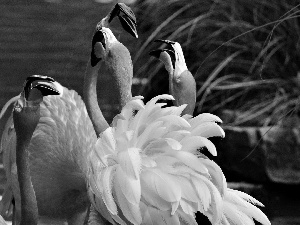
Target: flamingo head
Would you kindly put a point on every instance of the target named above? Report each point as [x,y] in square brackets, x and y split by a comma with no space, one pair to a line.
[101,44]
[182,84]
[26,110]
[172,57]
[36,87]
[126,17]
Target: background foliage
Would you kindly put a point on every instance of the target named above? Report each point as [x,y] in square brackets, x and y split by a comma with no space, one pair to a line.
[243,54]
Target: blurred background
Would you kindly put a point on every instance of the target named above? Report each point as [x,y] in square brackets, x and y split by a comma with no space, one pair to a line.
[244,55]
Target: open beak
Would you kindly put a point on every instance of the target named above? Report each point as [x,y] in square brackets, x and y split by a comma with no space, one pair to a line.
[47,88]
[158,52]
[126,17]
[170,51]
[32,78]
[43,83]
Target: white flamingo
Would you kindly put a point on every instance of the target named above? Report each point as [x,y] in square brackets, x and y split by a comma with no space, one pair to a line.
[26,114]
[147,169]
[65,134]
[182,84]
[236,207]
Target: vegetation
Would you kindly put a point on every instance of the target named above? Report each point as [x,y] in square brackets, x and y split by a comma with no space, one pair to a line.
[245,55]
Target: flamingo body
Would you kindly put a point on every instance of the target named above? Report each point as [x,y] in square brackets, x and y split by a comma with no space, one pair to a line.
[64,136]
[57,150]
[224,206]
[148,168]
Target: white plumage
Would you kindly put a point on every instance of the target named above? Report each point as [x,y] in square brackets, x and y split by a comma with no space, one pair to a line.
[148,168]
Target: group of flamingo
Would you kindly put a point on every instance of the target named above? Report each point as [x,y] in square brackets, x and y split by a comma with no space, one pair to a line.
[65,164]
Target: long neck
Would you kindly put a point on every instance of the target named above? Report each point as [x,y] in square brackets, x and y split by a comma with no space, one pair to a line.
[183,88]
[120,67]
[90,98]
[25,125]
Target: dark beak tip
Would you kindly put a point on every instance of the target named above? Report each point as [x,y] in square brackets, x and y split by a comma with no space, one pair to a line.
[50,92]
[156,53]
[47,89]
[126,17]
[122,7]
[128,25]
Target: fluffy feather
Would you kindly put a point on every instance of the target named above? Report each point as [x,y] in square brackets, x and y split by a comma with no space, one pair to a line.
[239,206]
[58,145]
[161,177]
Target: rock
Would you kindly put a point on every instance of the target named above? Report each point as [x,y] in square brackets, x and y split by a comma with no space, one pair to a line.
[286,221]
[261,154]
[240,155]
[281,146]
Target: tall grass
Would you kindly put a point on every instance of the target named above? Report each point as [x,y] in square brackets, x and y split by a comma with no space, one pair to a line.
[245,55]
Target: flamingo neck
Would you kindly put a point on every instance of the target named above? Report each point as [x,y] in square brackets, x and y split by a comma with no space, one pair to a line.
[119,65]
[171,87]
[25,123]
[183,88]
[90,98]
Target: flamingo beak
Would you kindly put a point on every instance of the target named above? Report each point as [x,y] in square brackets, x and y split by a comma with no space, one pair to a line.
[32,78]
[46,88]
[156,53]
[126,17]
[159,54]
[169,50]
[45,84]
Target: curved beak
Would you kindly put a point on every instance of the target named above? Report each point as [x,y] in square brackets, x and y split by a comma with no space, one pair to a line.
[156,53]
[32,78]
[159,52]
[43,83]
[176,55]
[171,51]
[46,88]
[126,17]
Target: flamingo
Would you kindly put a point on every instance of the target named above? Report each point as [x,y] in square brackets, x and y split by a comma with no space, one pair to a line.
[26,115]
[65,134]
[107,50]
[236,207]
[182,84]
[147,169]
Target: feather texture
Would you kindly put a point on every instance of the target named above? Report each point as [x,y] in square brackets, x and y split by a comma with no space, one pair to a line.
[59,144]
[160,176]
[239,206]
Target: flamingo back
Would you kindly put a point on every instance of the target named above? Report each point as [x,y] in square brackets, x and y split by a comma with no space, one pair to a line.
[57,150]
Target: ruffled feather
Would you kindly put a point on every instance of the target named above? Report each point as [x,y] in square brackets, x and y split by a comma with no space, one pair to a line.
[239,206]
[193,143]
[208,129]
[147,169]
